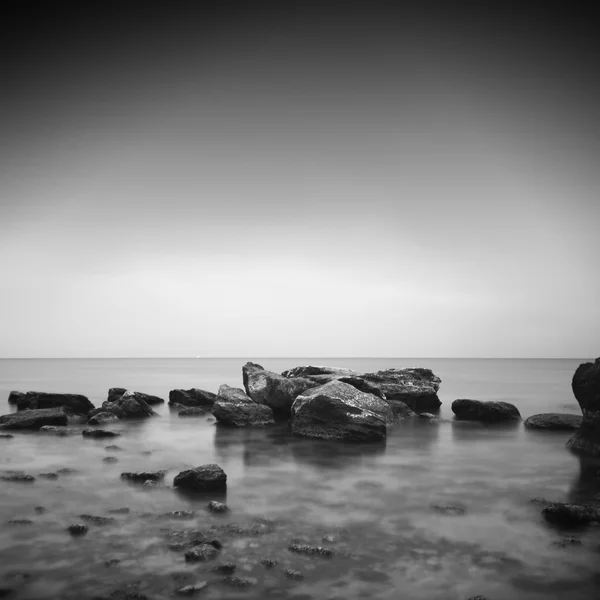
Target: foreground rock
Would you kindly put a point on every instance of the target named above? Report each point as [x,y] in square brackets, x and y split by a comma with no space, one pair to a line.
[34,419]
[339,411]
[99,433]
[274,390]
[414,387]
[206,478]
[486,412]
[75,403]
[143,476]
[115,394]
[130,405]
[234,408]
[192,398]
[14,397]
[554,421]
[586,388]
[563,514]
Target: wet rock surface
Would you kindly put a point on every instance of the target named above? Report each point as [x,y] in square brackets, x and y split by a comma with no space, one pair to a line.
[17,477]
[553,421]
[193,397]
[201,553]
[233,408]
[586,388]
[99,433]
[131,405]
[217,507]
[486,412]
[196,411]
[143,476]
[77,529]
[74,403]
[34,419]
[564,514]
[102,418]
[206,478]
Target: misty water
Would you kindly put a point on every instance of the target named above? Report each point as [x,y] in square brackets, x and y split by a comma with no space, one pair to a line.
[373,504]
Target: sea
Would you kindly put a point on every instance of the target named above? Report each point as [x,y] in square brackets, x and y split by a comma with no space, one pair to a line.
[373,505]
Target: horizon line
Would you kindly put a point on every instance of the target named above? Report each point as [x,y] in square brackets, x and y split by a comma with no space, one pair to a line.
[292,357]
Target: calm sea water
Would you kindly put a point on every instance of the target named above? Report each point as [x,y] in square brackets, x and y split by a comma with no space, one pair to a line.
[377,500]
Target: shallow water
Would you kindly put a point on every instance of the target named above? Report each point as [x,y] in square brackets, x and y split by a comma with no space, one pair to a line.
[375,500]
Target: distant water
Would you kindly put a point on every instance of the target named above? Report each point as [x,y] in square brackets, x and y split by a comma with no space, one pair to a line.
[376,499]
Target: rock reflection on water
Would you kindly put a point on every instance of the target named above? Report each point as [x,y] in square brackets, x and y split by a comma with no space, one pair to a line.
[372,505]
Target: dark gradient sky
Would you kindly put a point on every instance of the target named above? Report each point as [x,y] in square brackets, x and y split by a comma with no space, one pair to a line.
[288,179]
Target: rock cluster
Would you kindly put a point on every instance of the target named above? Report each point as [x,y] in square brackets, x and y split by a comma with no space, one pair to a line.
[586,388]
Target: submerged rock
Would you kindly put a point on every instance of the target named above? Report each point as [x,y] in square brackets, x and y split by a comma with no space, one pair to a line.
[206,478]
[274,390]
[487,412]
[192,398]
[564,514]
[269,563]
[225,569]
[338,411]
[586,388]
[233,408]
[565,542]
[48,475]
[415,387]
[75,403]
[195,411]
[110,460]
[78,529]
[201,553]
[6,436]
[217,507]
[17,477]
[555,421]
[34,419]
[178,514]
[61,431]
[97,520]
[14,397]
[293,574]
[20,522]
[102,418]
[113,448]
[99,433]
[449,509]
[238,581]
[190,590]
[143,476]
[310,550]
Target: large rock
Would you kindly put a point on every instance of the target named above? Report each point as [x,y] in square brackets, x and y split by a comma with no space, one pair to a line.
[234,408]
[38,400]
[586,388]
[206,478]
[129,405]
[487,412]
[34,419]
[414,387]
[192,397]
[115,394]
[555,421]
[338,411]
[14,397]
[571,514]
[102,418]
[274,390]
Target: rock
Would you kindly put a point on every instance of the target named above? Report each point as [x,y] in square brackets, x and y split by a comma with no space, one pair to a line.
[569,541]
[113,448]
[586,388]
[339,411]
[97,520]
[15,397]
[310,550]
[206,478]
[130,405]
[237,581]
[40,510]
[143,476]
[61,431]
[560,513]
[478,598]
[190,590]
[225,569]
[6,592]
[178,514]
[110,460]
[111,562]
[6,436]
[98,433]
[555,421]
[77,529]
[48,475]
[233,408]
[20,522]
[75,403]
[17,477]
[201,553]
[217,507]
[34,419]
[274,390]
[449,509]
[192,398]
[195,411]
[487,412]
[415,387]
[293,574]
[115,394]
[269,563]
[67,471]
[102,418]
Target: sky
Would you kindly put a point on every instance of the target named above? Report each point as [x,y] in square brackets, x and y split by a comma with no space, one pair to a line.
[298,179]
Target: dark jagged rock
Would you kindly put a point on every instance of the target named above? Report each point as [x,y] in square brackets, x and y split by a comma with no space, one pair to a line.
[238,582]
[486,412]
[6,436]
[310,550]
[110,460]
[34,419]
[566,542]
[449,509]
[178,514]
[67,471]
[293,574]
[233,408]
[14,397]
[225,568]
[20,522]
[97,520]
[77,529]
[415,387]
[274,390]
[339,411]
[249,529]
[99,433]
[102,418]
[17,477]
[193,398]
[48,475]
[269,563]
[143,476]
[131,405]
[115,393]
[217,507]
[586,388]
[564,514]
[119,511]
[201,553]
[75,403]
[194,411]
[206,478]
[554,421]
